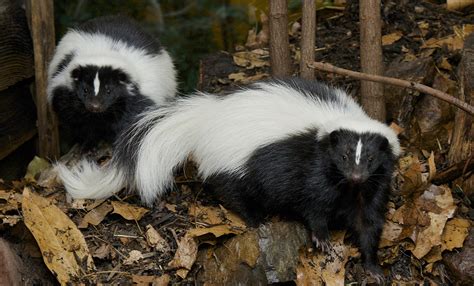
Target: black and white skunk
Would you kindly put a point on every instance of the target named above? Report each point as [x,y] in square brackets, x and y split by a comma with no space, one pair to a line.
[286,147]
[105,72]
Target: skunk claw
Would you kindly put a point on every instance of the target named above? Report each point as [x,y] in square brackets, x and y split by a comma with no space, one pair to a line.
[322,244]
[377,274]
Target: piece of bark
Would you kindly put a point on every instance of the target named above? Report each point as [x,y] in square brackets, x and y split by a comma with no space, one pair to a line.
[16,49]
[371,60]
[42,32]
[453,172]
[462,145]
[401,102]
[461,263]
[9,265]
[279,40]
[268,254]
[308,38]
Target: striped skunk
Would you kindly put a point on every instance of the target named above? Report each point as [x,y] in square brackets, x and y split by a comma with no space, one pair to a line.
[104,73]
[290,147]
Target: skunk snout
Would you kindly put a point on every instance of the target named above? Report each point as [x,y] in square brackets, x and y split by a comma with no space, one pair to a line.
[94,106]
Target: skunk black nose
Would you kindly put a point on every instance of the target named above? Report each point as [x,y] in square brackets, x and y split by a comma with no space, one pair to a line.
[94,106]
[356,177]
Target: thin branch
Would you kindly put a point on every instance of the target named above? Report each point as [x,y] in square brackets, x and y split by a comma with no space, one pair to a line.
[398,82]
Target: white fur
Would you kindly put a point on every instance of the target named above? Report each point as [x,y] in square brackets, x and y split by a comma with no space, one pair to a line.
[358,151]
[154,74]
[222,133]
[87,180]
[96,83]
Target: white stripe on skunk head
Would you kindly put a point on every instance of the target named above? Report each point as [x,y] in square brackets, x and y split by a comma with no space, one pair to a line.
[153,74]
[98,88]
[358,156]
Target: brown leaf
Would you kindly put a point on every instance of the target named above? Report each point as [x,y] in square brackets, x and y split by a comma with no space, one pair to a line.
[133,256]
[432,166]
[64,249]
[253,59]
[153,280]
[128,211]
[171,207]
[96,216]
[207,214]
[234,219]
[217,231]
[391,234]
[455,233]
[438,205]
[102,251]
[155,240]
[316,269]
[185,256]
[391,38]
[9,200]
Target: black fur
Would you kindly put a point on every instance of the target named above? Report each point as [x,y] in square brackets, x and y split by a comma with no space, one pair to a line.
[91,117]
[309,179]
[123,29]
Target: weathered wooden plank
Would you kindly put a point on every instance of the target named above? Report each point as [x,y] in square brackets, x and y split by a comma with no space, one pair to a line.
[16,49]
[42,32]
[18,117]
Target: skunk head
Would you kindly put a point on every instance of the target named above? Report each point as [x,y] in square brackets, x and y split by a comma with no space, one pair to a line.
[360,156]
[100,87]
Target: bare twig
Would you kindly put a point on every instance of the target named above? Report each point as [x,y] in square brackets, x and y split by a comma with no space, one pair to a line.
[398,82]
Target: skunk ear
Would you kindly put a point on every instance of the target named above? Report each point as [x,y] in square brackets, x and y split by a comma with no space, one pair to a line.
[334,138]
[384,144]
[76,73]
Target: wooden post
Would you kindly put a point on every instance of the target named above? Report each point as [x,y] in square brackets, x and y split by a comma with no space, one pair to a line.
[371,61]
[279,41]
[42,32]
[462,145]
[308,35]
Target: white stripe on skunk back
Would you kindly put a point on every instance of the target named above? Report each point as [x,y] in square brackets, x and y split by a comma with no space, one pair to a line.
[153,73]
[221,133]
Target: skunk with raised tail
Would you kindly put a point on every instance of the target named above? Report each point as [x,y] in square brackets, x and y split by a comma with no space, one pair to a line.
[290,147]
[104,73]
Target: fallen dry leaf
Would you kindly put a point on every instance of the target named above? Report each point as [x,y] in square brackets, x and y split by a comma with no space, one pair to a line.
[391,38]
[102,251]
[96,216]
[35,167]
[432,166]
[217,231]
[62,245]
[391,234]
[319,268]
[151,280]
[252,59]
[171,207]
[185,256]
[207,214]
[155,240]
[437,204]
[133,256]
[455,233]
[234,219]
[9,200]
[127,211]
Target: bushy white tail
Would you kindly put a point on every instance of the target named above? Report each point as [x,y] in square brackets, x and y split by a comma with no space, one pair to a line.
[87,180]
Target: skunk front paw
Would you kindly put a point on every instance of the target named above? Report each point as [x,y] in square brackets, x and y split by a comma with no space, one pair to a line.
[322,244]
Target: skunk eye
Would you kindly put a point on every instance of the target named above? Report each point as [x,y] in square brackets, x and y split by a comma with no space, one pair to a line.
[344,157]
[86,89]
[107,90]
[370,159]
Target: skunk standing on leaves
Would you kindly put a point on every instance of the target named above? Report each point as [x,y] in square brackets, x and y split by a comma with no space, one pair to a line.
[286,147]
[104,73]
